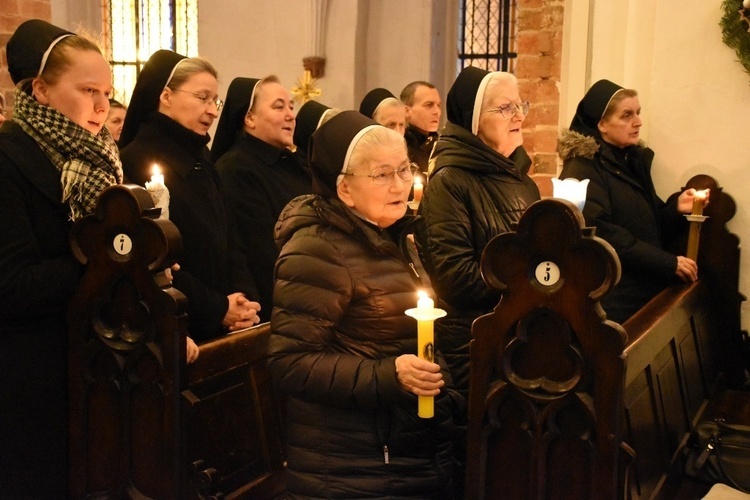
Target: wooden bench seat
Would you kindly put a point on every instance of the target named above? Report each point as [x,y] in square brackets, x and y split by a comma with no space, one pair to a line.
[562,403]
[557,407]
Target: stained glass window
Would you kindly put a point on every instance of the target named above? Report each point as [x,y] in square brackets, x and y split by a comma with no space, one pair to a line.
[135,29]
[487,34]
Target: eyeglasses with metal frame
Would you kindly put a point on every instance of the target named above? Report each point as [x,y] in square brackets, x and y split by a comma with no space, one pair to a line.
[204,99]
[383,176]
[509,110]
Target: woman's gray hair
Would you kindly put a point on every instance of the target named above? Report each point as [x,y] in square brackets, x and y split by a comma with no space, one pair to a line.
[496,79]
[377,137]
[390,102]
[188,67]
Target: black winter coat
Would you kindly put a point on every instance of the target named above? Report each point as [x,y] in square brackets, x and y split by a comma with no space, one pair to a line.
[212,263]
[473,194]
[623,205]
[420,146]
[338,324]
[38,275]
[258,181]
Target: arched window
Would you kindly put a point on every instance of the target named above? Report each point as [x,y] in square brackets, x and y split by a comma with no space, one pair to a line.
[487,34]
[135,29]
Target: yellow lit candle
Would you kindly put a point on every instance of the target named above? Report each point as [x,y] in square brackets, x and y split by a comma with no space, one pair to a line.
[426,314]
[156,176]
[418,189]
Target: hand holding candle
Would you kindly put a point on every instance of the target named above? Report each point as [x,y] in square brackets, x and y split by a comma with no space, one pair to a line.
[426,314]
[158,190]
[696,218]
[699,201]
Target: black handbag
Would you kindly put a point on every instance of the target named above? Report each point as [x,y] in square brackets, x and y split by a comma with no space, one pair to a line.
[720,453]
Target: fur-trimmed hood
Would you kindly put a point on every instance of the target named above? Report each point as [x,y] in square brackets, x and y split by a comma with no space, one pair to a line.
[572,144]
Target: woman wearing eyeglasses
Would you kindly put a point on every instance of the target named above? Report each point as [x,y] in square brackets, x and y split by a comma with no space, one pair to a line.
[479,186]
[603,145]
[342,350]
[174,103]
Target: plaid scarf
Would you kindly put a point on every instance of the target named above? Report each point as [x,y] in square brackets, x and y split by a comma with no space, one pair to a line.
[87,163]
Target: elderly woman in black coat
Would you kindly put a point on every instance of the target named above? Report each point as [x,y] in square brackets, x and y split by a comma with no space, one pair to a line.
[342,350]
[603,145]
[479,186]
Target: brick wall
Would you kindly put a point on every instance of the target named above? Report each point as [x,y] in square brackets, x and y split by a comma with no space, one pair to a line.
[13,13]
[539,47]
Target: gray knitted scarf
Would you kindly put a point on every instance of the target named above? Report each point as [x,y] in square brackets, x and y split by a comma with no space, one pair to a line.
[87,163]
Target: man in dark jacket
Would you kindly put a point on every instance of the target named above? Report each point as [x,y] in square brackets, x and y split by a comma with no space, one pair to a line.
[423,111]
[479,187]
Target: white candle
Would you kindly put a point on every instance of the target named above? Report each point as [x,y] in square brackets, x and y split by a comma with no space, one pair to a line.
[418,188]
[424,302]
[156,176]
[699,201]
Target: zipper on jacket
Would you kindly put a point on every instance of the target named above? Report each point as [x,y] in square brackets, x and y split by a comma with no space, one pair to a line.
[385,454]
[414,270]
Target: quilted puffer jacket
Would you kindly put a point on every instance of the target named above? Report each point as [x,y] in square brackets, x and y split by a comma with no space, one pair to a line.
[473,194]
[338,324]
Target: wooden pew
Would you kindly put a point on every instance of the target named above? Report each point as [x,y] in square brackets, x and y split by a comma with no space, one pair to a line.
[234,439]
[565,405]
[683,347]
[142,423]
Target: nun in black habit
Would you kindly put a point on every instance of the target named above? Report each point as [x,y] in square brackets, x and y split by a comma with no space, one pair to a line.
[309,118]
[259,173]
[478,188]
[385,108]
[603,145]
[173,105]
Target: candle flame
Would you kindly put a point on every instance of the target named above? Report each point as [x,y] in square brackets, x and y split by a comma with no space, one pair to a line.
[417,181]
[155,170]
[422,294]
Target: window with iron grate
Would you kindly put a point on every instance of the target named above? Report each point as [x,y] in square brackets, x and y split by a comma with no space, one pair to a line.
[487,34]
[135,29]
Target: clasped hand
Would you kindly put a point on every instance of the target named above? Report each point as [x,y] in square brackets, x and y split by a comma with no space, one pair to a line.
[242,312]
[419,376]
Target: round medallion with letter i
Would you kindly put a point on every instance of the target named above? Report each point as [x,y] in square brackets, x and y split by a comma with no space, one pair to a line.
[547,273]
[122,244]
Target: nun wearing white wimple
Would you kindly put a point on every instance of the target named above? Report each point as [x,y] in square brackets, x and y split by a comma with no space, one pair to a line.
[56,156]
[174,104]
